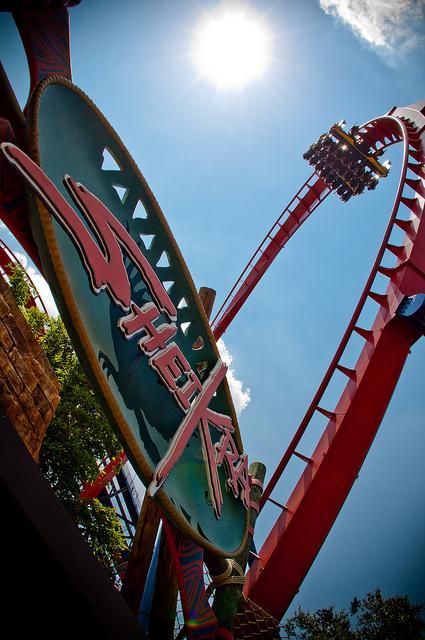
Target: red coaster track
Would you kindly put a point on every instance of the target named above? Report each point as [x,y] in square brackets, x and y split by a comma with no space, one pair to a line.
[305,201]
[314,504]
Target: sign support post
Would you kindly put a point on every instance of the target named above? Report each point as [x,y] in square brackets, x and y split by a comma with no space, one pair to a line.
[230,575]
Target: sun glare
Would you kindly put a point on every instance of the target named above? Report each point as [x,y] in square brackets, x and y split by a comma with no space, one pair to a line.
[232,47]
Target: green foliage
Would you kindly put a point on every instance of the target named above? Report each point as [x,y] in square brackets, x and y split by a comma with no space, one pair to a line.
[100,526]
[36,319]
[23,290]
[389,618]
[325,624]
[78,436]
[371,618]
[80,433]
[21,287]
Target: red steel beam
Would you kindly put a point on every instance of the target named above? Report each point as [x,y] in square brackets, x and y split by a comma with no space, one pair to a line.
[302,205]
[299,532]
[92,490]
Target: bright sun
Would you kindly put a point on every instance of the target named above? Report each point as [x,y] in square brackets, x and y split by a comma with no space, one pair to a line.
[232,47]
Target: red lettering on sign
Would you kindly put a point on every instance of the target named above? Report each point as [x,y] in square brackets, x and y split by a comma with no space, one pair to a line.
[212,476]
[171,366]
[102,255]
[199,416]
[104,264]
[236,467]
[226,450]
[241,478]
[142,319]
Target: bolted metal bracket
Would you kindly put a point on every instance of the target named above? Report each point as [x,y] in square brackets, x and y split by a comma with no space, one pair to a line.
[413,309]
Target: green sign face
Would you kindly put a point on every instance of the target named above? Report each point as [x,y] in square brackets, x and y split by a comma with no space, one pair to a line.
[135,318]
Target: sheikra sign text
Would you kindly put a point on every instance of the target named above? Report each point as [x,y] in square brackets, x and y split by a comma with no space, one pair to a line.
[104,263]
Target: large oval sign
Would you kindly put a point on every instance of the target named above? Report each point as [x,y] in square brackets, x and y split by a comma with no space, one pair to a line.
[135,318]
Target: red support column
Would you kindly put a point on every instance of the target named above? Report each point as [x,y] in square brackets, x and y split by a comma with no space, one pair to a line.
[300,531]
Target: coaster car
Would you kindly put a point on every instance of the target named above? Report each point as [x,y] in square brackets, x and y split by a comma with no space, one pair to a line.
[361,147]
[345,162]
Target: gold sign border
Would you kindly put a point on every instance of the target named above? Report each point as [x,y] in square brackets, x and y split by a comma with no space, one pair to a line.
[78,324]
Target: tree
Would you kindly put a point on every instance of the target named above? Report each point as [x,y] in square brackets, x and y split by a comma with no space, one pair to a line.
[392,618]
[21,287]
[78,436]
[324,624]
[371,618]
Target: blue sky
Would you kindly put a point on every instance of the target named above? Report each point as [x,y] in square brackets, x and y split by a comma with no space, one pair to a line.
[223,164]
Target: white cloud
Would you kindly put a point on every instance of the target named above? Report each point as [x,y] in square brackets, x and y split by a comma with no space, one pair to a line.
[40,284]
[392,26]
[22,258]
[44,291]
[241,397]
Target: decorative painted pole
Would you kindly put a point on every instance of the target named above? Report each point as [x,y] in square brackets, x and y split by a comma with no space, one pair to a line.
[164,603]
[141,554]
[207,297]
[228,576]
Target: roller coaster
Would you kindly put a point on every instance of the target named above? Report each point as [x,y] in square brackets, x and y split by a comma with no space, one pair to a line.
[348,164]
[304,523]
